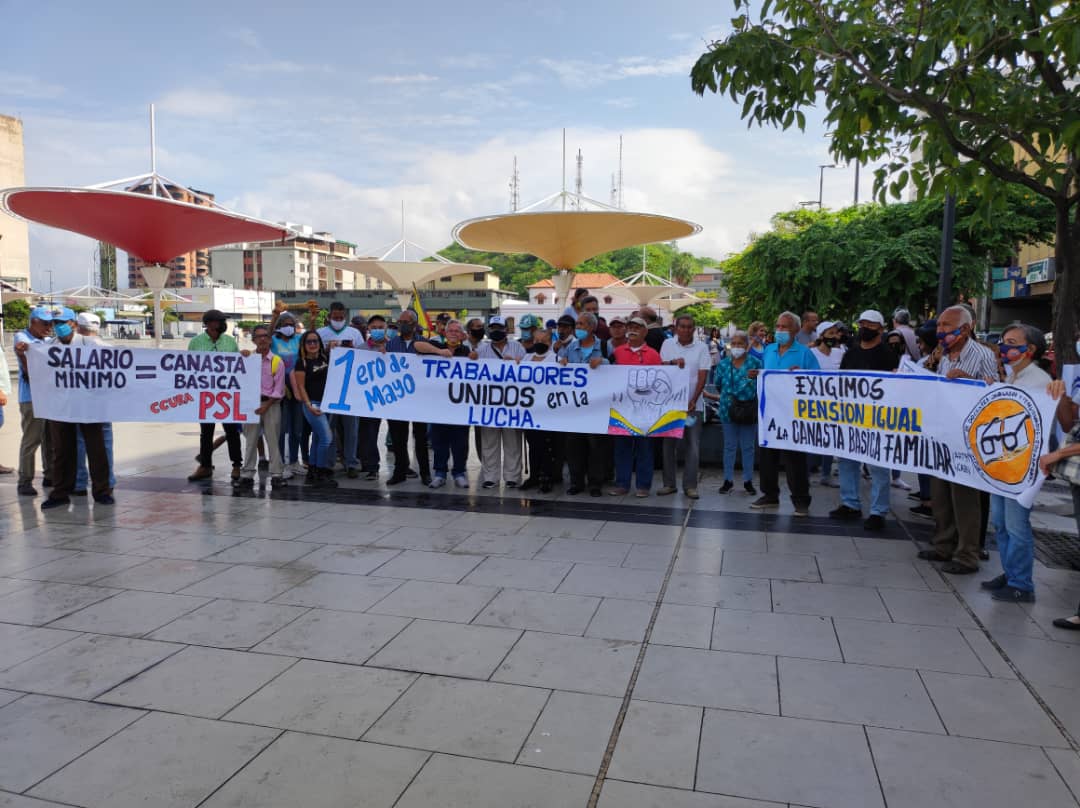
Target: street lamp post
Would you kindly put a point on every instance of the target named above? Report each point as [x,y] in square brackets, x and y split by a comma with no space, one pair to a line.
[821,182]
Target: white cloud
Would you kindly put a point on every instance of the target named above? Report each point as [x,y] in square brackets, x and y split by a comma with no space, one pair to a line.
[195,103]
[623,102]
[245,36]
[579,73]
[468,61]
[18,85]
[283,67]
[404,78]
[647,66]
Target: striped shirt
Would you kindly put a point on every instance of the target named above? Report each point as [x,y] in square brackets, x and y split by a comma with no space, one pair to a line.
[975,360]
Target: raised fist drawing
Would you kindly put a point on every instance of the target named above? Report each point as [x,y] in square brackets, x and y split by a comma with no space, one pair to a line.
[648,388]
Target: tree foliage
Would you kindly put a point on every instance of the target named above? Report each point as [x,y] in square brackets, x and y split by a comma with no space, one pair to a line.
[953,95]
[875,256]
[16,314]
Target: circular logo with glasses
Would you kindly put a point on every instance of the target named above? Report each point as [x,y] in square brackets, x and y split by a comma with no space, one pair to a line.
[1004,433]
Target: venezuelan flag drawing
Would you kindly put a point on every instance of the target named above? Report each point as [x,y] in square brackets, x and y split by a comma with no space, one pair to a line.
[421,315]
[670,424]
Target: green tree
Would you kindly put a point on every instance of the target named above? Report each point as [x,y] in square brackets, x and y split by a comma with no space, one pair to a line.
[955,95]
[875,256]
[16,315]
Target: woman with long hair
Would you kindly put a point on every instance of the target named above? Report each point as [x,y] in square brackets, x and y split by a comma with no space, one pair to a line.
[309,385]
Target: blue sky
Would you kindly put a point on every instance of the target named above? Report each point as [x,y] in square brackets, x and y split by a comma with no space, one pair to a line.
[333,116]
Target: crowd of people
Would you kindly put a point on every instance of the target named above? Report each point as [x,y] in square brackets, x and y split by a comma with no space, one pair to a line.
[298,438]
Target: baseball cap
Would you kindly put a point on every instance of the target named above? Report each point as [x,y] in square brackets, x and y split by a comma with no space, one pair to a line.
[443,318]
[872,316]
[550,324]
[529,321]
[823,327]
[64,314]
[618,318]
[638,321]
[359,321]
[496,319]
[43,313]
[87,319]
[566,319]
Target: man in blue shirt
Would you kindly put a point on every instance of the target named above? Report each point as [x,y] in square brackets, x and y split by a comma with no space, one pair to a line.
[585,453]
[34,430]
[785,353]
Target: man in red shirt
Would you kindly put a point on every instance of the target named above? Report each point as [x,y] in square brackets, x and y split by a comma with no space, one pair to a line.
[634,455]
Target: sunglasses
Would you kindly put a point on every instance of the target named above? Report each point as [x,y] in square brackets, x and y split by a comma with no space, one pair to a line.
[311,342]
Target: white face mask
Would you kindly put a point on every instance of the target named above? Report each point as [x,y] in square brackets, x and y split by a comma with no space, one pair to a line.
[737,352]
[337,325]
[287,331]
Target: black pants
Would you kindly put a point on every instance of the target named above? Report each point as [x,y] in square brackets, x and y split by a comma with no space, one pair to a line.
[795,468]
[558,455]
[585,456]
[368,444]
[399,436]
[541,454]
[232,439]
[64,452]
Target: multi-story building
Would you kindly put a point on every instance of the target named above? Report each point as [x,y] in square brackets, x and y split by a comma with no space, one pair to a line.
[14,234]
[298,262]
[190,269]
[710,282]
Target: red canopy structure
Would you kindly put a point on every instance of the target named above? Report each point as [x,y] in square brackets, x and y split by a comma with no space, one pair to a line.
[153,228]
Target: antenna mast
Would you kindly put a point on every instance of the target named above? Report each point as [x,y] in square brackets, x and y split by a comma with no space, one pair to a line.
[614,193]
[564,169]
[619,184]
[578,179]
[515,188]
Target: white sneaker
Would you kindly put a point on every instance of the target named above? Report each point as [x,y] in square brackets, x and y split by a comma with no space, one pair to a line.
[461,481]
[899,483]
[287,473]
[438,481]
[298,469]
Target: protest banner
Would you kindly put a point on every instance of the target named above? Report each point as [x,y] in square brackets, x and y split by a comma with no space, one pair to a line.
[102,383]
[610,399]
[988,437]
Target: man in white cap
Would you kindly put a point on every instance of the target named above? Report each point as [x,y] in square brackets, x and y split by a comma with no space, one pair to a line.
[829,349]
[500,447]
[87,326]
[868,353]
[34,430]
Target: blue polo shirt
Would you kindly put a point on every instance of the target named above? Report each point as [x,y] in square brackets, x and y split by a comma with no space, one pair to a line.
[577,354]
[796,356]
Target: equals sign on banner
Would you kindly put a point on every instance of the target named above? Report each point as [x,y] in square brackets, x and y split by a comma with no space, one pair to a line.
[145,371]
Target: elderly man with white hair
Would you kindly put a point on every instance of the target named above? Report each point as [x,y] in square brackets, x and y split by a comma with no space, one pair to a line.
[957,508]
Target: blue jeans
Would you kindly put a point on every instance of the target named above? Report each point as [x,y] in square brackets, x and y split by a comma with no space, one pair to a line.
[739,439]
[350,431]
[633,456]
[292,427]
[82,477]
[1016,543]
[322,439]
[447,439]
[849,487]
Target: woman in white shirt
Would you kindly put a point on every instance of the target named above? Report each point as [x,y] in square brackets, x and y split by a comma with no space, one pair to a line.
[828,350]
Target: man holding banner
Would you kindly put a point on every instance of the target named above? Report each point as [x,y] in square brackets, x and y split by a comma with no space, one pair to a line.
[215,338]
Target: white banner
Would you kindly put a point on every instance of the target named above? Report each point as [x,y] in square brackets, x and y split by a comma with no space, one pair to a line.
[988,437]
[104,383]
[610,399]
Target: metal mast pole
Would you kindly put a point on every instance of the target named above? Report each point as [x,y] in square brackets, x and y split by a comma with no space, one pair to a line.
[564,169]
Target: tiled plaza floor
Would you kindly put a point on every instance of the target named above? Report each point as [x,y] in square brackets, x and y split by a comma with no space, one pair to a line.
[188,647]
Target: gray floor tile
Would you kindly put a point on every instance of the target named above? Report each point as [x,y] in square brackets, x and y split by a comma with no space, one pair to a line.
[658,745]
[855,572]
[796,635]
[44,602]
[617,794]
[708,679]
[355,532]
[324,698]
[725,591]
[193,755]
[579,664]
[988,655]
[769,565]
[572,733]
[15,801]
[421,538]
[190,546]
[1064,705]
[130,614]
[713,539]
[811,544]
[16,558]
[334,636]
[1043,662]
[932,648]
[8,696]
[921,770]
[477,719]
[639,533]
[204,682]
[486,544]
[824,764]
[87,666]
[19,643]
[449,649]
[883,549]
[699,561]
[300,770]
[926,608]
[586,552]
[269,552]
[416,517]
[1012,618]
[829,600]
[228,624]
[679,624]
[613,582]
[328,590]
[281,527]
[427,566]
[856,694]
[457,603]
[555,527]
[451,781]
[995,710]
[80,568]
[648,557]
[39,734]
[9,585]
[248,583]
[1067,762]
[350,560]
[621,620]
[543,576]
[162,575]
[539,611]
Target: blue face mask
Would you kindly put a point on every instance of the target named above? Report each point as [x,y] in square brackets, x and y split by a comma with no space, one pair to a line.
[526,333]
[391,333]
[782,337]
[378,334]
[62,330]
[580,333]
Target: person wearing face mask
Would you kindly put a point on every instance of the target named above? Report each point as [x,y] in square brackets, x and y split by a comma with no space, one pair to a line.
[285,344]
[828,351]
[785,353]
[35,433]
[87,326]
[758,334]
[901,321]
[216,338]
[958,508]
[476,332]
[870,354]
[736,394]
[617,328]
[633,454]
[686,351]
[451,439]
[584,453]
[894,340]
[543,445]
[564,332]
[367,438]
[500,447]
[338,333]
[527,328]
